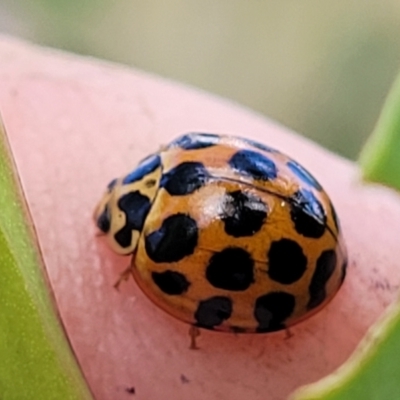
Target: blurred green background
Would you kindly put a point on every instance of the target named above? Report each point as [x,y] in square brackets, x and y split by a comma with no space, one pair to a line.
[322,68]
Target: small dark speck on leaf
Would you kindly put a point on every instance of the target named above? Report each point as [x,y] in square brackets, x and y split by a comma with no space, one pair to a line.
[184,379]
[384,285]
[130,390]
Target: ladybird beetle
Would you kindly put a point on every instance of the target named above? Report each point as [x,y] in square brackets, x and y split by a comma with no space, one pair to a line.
[226,234]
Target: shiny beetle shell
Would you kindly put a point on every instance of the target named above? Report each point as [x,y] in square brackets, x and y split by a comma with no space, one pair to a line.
[226,234]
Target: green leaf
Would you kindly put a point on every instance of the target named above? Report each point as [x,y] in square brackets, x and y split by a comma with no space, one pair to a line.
[371,373]
[380,158]
[36,361]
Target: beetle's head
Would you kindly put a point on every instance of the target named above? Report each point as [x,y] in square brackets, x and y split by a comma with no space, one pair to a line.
[121,213]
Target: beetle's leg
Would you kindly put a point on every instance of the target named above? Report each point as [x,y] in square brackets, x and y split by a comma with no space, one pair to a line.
[124,276]
[194,332]
[289,334]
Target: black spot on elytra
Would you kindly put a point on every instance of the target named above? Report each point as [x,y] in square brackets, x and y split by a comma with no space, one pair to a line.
[231,269]
[171,282]
[243,213]
[272,309]
[303,174]
[259,146]
[185,178]
[103,220]
[307,214]
[213,311]
[253,164]
[193,141]
[286,261]
[136,206]
[146,166]
[324,269]
[176,239]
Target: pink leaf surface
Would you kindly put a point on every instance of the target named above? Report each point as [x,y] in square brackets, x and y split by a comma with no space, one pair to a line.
[74,124]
